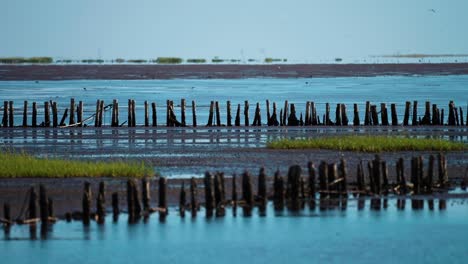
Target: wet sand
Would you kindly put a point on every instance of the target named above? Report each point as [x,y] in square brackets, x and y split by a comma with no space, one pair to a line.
[225,71]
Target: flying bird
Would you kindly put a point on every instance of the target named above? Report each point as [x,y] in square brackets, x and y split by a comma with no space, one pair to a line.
[432,10]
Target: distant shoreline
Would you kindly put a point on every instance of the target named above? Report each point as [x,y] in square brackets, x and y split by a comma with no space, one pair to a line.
[222,71]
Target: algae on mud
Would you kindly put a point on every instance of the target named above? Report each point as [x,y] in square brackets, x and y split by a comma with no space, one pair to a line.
[26,166]
[368,144]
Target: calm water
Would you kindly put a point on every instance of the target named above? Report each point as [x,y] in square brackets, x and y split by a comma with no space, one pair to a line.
[350,236]
[395,89]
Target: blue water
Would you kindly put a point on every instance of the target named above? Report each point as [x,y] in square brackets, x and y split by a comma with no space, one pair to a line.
[350,236]
[349,90]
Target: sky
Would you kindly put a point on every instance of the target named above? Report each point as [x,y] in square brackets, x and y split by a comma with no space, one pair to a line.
[305,30]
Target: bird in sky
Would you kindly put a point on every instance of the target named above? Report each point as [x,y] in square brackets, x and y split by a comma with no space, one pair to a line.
[432,10]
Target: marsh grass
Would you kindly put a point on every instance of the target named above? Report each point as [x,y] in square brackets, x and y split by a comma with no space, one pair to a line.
[168,60]
[23,165]
[196,60]
[368,144]
[20,60]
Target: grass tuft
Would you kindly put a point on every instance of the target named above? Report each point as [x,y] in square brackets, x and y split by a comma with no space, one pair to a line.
[368,144]
[23,165]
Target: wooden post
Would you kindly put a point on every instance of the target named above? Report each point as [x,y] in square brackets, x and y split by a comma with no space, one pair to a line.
[237,121]
[162,198]
[338,115]
[367,118]
[285,113]
[154,114]
[113,122]
[101,204]
[273,120]
[219,194]
[247,195]
[311,184]
[168,119]
[376,166]
[268,111]
[182,200]
[193,197]
[457,120]
[442,168]
[407,113]
[361,182]
[462,121]
[427,114]
[229,117]
[292,119]
[435,115]
[294,175]
[182,112]
[278,191]
[7,213]
[129,113]
[323,179]
[32,203]
[307,114]
[401,176]
[80,113]
[374,115]
[50,204]
[343,175]
[133,113]
[384,114]
[72,111]
[210,116]
[34,115]
[11,118]
[101,113]
[385,183]
[86,202]
[96,114]
[394,115]
[246,113]
[356,120]
[313,114]
[43,204]
[146,193]
[415,113]
[344,115]
[25,114]
[218,116]
[234,195]
[327,121]
[131,201]
[209,199]
[46,114]
[262,190]
[115,206]
[415,175]
[147,114]
[257,118]
[5,114]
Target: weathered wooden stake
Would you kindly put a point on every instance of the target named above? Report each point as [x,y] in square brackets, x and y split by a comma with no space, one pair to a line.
[415,113]
[367,117]
[129,113]
[209,199]
[182,112]
[154,115]
[146,193]
[130,201]
[427,114]
[147,114]
[294,175]
[101,204]
[268,111]
[344,115]
[86,203]
[182,200]
[229,117]
[292,119]
[278,191]
[311,184]
[11,118]
[72,111]
[193,197]
[162,198]
[247,194]
[34,115]
[80,113]
[327,120]
[384,114]
[101,113]
[374,115]
[219,194]
[234,195]
[394,115]
[338,115]
[115,206]
[285,113]
[262,190]
[62,121]
[43,204]
[5,114]
[218,115]
[246,113]
[307,114]
[442,167]
[237,121]
[210,116]
[25,114]
[407,113]
[96,114]
[430,174]
[356,121]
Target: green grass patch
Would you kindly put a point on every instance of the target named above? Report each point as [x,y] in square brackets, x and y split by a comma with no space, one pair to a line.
[19,60]
[168,60]
[368,144]
[137,61]
[23,165]
[271,60]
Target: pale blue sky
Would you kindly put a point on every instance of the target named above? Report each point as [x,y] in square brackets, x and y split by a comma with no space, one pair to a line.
[308,30]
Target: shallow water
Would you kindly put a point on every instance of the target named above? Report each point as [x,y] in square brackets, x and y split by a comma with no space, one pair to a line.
[383,89]
[350,236]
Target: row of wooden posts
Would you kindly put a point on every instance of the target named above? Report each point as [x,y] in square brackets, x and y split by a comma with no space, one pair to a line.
[329,181]
[287,115]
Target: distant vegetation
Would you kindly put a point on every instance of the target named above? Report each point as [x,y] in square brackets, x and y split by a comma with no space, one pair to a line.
[137,61]
[217,60]
[119,60]
[64,61]
[92,61]
[368,144]
[196,60]
[271,60]
[168,60]
[20,60]
[24,165]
